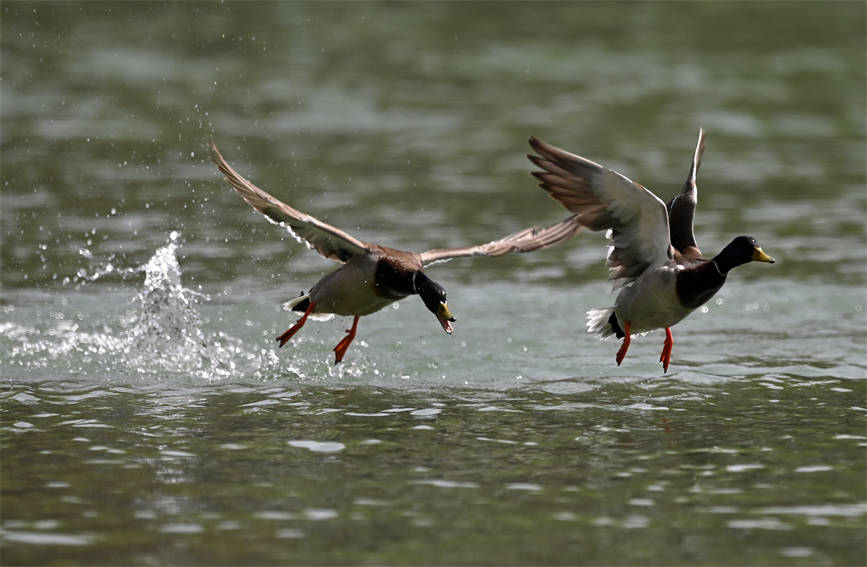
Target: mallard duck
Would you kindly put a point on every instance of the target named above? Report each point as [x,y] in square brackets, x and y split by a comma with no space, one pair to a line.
[373,276]
[653,258]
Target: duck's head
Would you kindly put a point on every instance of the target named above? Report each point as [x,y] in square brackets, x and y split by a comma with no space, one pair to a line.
[739,251]
[434,297]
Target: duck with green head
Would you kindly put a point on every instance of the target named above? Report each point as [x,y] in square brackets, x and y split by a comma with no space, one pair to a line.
[372,276]
[653,258]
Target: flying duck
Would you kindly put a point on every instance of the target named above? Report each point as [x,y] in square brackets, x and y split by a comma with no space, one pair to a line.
[653,258]
[373,276]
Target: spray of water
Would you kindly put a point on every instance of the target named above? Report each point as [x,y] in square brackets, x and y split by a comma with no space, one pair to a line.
[164,326]
[162,333]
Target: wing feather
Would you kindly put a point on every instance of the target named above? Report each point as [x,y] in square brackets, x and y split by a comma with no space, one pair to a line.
[602,199]
[681,209]
[329,241]
[526,240]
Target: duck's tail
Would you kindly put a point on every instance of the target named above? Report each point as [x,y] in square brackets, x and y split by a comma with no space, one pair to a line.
[603,322]
[301,303]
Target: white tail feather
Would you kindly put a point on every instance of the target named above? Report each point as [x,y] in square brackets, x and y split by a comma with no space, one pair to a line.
[293,302]
[315,316]
[597,322]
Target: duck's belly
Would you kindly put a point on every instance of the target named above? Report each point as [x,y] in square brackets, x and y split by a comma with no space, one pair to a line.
[349,290]
[651,303]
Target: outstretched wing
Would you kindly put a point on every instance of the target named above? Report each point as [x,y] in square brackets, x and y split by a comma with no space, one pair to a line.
[681,209]
[329,241]
[527,240]
[603,199]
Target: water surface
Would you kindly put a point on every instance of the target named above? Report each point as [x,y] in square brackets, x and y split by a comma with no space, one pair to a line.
[147,417]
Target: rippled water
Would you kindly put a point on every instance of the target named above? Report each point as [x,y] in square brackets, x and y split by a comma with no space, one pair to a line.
[146,416]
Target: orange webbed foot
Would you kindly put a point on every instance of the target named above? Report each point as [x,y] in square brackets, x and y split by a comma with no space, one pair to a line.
[284,338]
[341,347]
[621,354]
[665,357]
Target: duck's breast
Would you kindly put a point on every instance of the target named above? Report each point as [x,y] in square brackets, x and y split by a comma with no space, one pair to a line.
[350,290]
[651,302]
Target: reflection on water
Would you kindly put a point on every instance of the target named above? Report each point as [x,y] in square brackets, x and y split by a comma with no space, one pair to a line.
[460,469]
[273,448]
[147,417]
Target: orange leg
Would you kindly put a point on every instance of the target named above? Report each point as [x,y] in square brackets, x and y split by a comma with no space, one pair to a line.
[341,347]
[284,338]
[625,346]
[665,357]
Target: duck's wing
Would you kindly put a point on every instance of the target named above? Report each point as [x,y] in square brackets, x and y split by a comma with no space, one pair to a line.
[602,199]
[527,240]
[329,241]
[681,209]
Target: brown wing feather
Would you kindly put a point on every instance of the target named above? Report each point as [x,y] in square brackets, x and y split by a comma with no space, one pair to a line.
[603,199]
[526,240]
[329,241]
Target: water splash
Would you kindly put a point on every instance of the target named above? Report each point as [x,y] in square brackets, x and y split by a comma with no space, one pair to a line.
[164,330]
[162,334]
[165,316]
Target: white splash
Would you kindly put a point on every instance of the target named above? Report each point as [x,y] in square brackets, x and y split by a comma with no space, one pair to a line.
[161,334]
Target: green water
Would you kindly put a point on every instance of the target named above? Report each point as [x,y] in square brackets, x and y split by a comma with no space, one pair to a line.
[146,416]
